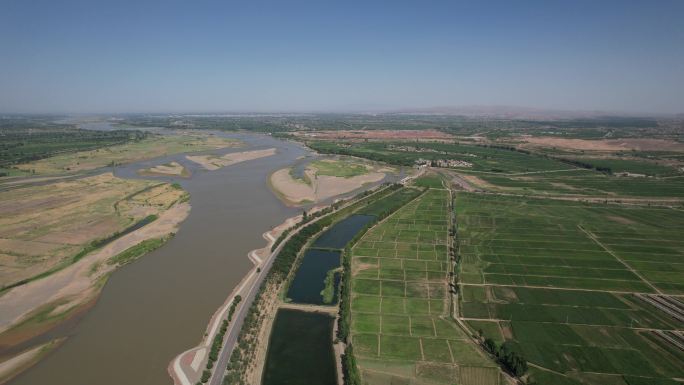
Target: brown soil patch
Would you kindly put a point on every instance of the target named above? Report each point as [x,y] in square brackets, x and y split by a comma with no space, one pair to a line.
[565,186]
[477,181]
[418,290]
[621,220]
[357,267]
[607,144]
[29,248]
[506,292]
[82,234]
[506,330]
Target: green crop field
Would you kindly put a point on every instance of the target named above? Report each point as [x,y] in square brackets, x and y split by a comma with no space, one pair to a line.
[429,181]
[505,168]
[340,168]
[401,330]
[581,182]
[390,203]
[559,280]
[634,166]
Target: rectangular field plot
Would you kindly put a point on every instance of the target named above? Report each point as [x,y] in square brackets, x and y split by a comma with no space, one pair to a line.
[401,327]
[571,285]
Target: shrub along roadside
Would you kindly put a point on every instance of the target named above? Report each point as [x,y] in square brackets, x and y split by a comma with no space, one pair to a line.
[218,341]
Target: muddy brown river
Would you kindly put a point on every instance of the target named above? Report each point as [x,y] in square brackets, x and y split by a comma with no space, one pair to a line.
[159,306]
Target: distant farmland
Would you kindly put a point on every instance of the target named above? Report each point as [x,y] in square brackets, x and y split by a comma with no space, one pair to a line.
[588,293]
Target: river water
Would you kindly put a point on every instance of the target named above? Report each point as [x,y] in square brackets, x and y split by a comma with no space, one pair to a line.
[159,306]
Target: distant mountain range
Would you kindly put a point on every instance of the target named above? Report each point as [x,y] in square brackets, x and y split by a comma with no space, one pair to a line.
[514,112]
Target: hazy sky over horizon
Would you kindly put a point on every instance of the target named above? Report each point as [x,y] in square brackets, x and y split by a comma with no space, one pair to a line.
[181,56]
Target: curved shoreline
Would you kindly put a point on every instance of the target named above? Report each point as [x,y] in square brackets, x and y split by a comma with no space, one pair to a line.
[295,193]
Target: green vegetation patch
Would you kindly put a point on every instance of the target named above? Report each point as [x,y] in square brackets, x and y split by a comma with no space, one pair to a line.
[429,181]
[561,279]
[339,168]
[132,253]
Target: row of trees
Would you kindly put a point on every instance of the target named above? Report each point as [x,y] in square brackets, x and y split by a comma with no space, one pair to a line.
[217,343]
[510,359]
[588,166]
[23,145]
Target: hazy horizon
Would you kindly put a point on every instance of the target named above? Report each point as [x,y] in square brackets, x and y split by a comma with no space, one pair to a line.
[80,57]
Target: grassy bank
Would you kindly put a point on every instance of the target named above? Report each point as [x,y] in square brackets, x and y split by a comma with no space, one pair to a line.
[132,253]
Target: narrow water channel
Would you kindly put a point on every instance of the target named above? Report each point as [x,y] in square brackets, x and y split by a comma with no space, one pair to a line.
[342,232]
[300,349]
[309,280]
[324,256]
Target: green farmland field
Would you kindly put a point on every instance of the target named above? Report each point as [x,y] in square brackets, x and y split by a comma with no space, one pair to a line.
[401,327]
[558,280]
[580,182]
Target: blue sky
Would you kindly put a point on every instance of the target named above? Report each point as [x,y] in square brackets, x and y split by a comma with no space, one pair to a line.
[201,56]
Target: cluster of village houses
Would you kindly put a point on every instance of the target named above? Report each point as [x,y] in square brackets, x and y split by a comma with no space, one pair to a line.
[443,163]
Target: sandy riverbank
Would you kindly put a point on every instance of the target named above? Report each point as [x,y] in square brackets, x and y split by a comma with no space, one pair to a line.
[168,169]
[212,162]
[15,365]
[321,187]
